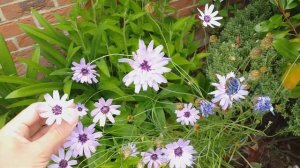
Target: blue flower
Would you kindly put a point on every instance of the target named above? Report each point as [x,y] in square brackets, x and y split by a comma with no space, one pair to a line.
[206,108]
[263,104]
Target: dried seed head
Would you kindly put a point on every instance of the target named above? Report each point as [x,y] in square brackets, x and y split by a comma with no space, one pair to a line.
[263,69]
[255,53]
[254,75]
[130,118]
[149,7]
[232,58]
[248,86]
[213,39]
[179,106]
[197,127]
[267,41]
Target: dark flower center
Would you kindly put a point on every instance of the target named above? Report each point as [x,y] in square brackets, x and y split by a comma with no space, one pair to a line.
[105,109]
[178,151]
[207,18]
[187,114]
[79,108]
[57,110]
[233,86]
[82,138]
[206,107]
[63,163]
[145,66]
[154,156]
[84,71]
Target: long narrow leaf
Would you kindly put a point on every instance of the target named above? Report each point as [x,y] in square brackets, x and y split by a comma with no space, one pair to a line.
[16,80]
[31,72]
[6,60]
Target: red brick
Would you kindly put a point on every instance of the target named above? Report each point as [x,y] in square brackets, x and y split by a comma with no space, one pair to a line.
[24,41]
[17,10]
[64,2]
[188,11]
[180,4]
[4,1]
[11,29]
[11,46]
[63,11]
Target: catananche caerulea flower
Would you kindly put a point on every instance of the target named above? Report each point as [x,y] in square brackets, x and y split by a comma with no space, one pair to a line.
[62,160]
[129,150]
[208,17]
[148,65]
[154,158]
[81,109]
[229,89]
[105,109]
[263,104]
[56,109]
[84,72]
[188,115]
[180,154]
[206,108]
[83,140]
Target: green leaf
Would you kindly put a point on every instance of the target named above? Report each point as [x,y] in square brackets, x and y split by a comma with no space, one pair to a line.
[122,130]
[180,60]
[22,103]
[3,118]
[295,93]
[6,61]
[35,89]
[110,86]
[180,24]
[31,71]
[71,52]
[158,118]
[37,67]
[61,72]
[103,67]
[67,87]
[135,16]
[17,80]
[286,48]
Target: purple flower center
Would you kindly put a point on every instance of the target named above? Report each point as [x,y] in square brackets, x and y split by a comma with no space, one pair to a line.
[207,18]
[187,114]
[79,108]
[105,109]
[84,71]
[178,151]
[154,156]
[233,86]
[57,110]
[82,138]
[145,66]
[63,163]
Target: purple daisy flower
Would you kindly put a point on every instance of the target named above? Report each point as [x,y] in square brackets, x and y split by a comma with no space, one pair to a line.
[206,108]
[188,115]
[154,159]
[129,150]
[56,109]
[263,104]
[84,72]
[81,109]
[104,109]
[148,67]
[180,154]
[229,89]
[208,17]
[62,160]
[83,140]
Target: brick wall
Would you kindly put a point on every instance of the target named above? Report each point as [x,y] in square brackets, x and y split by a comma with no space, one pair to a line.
[13,12]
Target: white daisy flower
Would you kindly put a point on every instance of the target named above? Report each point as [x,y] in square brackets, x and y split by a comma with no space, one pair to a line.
[56,109]
[148,67]
[129,150]
[188,115]
[104,109]
[81,109]
[62,160]
[209,17]
[229,89]
[180,154]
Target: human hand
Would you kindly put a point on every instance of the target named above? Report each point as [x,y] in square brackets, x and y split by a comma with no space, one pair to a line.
[26,143]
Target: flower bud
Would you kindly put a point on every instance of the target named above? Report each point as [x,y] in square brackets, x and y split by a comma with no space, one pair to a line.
[179,106]
[149,7]
[213,39]
[267,41]
[254,75]
[130,118]
[263,69]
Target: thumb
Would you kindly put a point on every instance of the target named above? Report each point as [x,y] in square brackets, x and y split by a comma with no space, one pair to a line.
[56,136]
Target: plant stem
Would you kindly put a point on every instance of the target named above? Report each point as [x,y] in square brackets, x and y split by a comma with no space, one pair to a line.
[286,18]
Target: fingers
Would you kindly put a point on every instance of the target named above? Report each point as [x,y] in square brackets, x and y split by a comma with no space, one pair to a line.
[55,137]
[41,132]
[25,122]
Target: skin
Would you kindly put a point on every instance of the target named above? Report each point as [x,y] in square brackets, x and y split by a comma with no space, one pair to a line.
[25,142]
